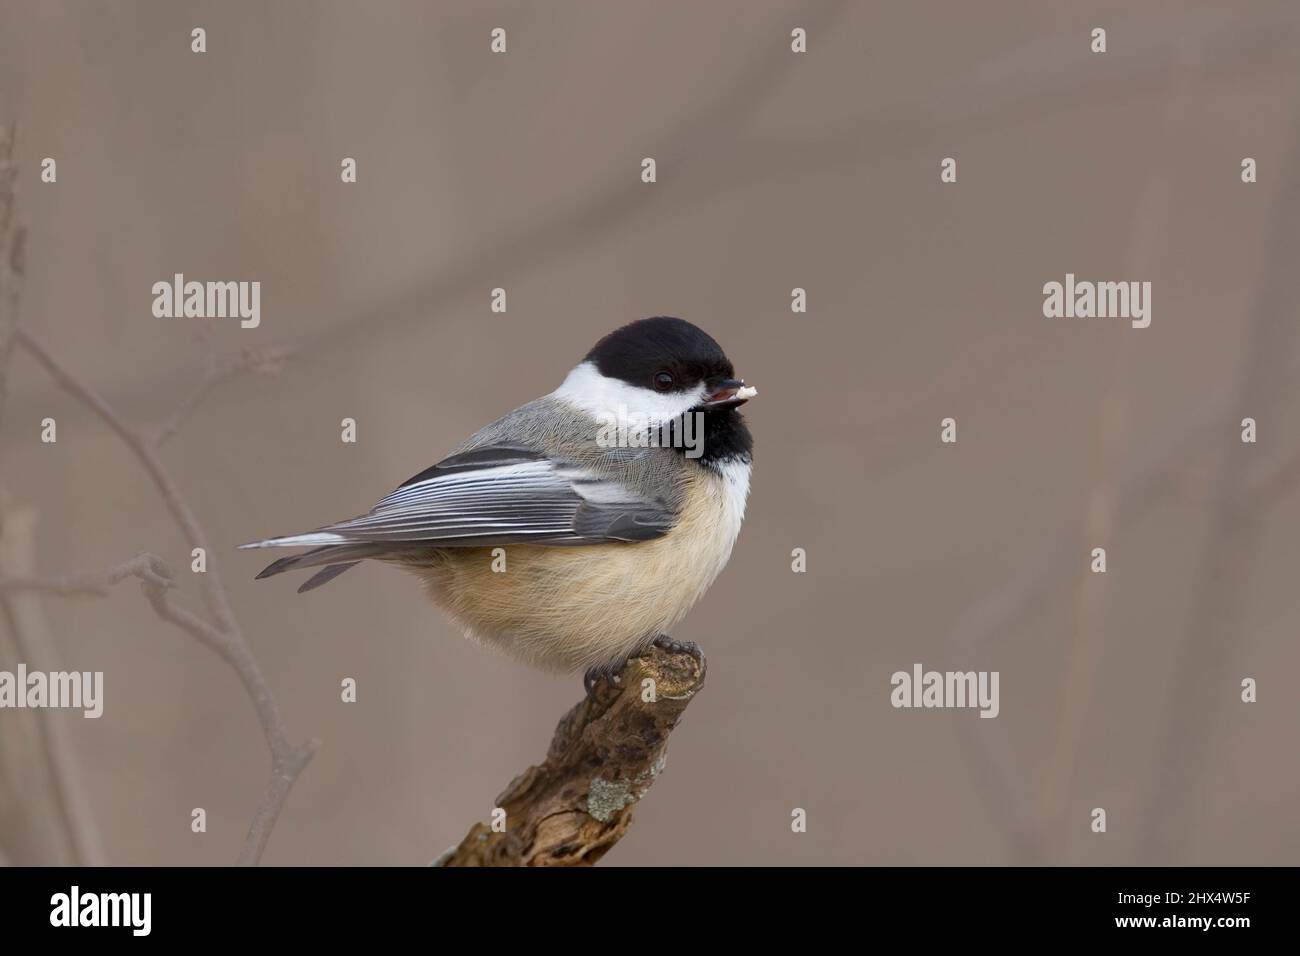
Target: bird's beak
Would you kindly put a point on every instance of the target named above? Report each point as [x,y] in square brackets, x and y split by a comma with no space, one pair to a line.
[728,393]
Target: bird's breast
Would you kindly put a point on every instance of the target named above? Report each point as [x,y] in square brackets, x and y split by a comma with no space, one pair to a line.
[570,608]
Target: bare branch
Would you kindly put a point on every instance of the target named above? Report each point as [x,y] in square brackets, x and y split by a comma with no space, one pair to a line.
[266,361]
[53,819]
[64,804]
[606,753]
[156,579]
[94,583]
[13,237]
[224,637]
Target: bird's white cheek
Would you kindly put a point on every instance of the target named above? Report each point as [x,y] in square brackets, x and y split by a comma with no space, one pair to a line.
[612,399]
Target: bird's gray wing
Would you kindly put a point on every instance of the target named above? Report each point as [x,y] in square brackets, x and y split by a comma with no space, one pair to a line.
[507,494]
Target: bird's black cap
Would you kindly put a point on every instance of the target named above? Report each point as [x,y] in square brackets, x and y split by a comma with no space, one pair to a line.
[638,352]
[672,355]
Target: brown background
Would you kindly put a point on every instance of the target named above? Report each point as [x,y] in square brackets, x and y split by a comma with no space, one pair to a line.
[776,170]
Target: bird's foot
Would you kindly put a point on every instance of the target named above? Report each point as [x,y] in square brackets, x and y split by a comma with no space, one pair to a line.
[609,673]
[666,643]
[602,672]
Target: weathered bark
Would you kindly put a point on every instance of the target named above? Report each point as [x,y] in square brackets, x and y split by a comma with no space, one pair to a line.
[606,753]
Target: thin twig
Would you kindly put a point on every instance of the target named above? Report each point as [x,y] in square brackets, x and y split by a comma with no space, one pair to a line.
[263,360]
[94,583]
[23,619]
[224,637]
[66,802]
[13,237]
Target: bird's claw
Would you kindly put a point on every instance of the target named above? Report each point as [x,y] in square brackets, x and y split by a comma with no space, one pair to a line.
[666,643]
[602,672]
[610,672]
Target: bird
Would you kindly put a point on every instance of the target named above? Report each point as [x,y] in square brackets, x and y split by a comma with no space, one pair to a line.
[578,530]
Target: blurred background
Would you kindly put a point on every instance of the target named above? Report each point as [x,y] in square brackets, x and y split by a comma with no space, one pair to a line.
[776,170]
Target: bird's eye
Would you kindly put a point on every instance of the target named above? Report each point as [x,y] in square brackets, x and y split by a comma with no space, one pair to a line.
[663,381]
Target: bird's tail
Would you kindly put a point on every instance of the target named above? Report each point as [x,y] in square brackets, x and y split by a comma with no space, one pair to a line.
[311,538]
[333,557]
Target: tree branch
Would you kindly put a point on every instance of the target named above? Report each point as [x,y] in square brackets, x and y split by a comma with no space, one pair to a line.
[13,238]
[93,583]
[224,637]
[264,360]
[606,754]
[59,795]
[61,806]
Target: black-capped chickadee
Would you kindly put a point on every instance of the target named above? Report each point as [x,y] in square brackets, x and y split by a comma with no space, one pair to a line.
[579,529]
